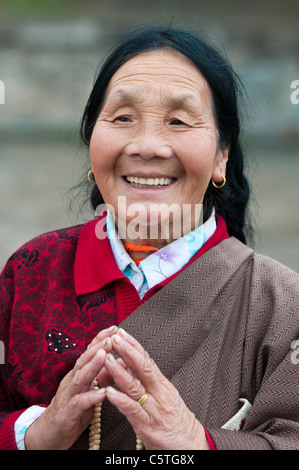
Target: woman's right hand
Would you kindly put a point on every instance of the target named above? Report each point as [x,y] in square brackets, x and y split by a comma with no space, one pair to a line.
[71,409]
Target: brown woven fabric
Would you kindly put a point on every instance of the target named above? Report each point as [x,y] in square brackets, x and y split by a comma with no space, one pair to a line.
[220,331]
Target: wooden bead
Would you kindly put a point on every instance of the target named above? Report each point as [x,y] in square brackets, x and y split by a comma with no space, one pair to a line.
[95,427]
[139,443]
[95,447]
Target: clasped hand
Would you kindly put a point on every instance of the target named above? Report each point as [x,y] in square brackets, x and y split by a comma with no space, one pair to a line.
[162,422]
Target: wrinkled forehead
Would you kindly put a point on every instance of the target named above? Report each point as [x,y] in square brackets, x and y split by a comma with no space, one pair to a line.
[165,71]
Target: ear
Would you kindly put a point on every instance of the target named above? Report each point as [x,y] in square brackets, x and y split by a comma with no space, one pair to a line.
[220,165]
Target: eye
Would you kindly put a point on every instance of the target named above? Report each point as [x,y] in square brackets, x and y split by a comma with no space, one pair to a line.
[122,118]
[177,122]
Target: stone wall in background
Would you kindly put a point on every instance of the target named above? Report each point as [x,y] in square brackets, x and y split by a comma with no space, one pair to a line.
[47,62]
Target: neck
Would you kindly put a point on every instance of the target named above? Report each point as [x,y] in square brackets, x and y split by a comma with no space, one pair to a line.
[158,235]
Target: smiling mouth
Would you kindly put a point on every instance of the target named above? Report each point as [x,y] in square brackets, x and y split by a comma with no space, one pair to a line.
[155,183]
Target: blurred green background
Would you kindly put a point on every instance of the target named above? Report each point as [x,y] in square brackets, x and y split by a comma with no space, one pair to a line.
[49,53]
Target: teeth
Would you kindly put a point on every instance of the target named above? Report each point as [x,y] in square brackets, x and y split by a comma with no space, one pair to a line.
[149,181]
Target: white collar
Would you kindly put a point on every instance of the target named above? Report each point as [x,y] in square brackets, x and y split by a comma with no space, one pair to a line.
[163,263]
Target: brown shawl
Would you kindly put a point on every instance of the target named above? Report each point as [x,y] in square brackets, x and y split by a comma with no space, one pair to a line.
[220,331]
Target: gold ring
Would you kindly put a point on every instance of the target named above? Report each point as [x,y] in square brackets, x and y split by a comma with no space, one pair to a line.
[142,399]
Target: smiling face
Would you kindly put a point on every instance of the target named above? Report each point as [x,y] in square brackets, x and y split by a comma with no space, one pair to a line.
[155,139]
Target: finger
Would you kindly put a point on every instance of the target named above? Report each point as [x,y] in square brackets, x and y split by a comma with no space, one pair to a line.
[123,378]
[84,401]
[104,377]
[130,339]
[103,334]
[103,343]
[139,362]
[84,376]
[135,413]
[134,343]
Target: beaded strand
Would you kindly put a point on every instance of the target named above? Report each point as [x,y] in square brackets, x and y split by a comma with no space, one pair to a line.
[95,427]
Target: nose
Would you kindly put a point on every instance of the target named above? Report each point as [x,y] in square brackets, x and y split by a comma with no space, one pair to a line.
[148,146]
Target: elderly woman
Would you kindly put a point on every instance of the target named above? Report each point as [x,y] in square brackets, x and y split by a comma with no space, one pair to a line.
[124,339]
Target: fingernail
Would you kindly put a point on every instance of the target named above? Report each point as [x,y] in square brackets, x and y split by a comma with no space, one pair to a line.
[112,328]
[117,339]
[102,390]
[110,390]
[122,332]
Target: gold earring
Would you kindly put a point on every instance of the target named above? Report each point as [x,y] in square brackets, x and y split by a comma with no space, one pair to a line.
[88,177]
[218,186]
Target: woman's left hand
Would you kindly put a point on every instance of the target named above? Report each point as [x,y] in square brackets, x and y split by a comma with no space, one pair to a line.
[163,421]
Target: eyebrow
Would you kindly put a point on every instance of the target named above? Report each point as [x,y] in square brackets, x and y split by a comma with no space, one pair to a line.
[184,101]
[122,97]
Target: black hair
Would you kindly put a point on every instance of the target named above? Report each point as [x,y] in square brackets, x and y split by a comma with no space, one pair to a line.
[231,201]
